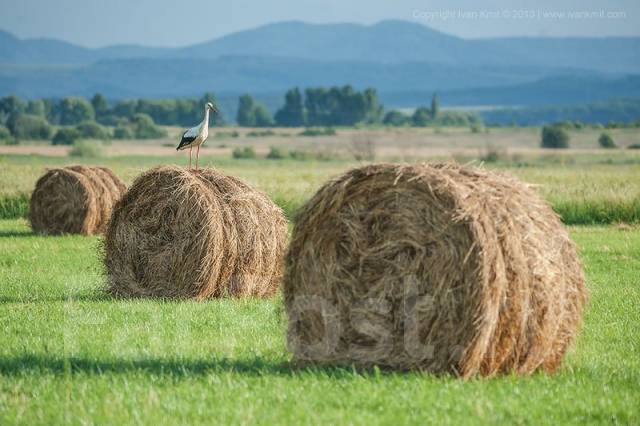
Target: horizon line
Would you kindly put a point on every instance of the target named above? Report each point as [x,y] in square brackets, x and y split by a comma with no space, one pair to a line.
[292,21]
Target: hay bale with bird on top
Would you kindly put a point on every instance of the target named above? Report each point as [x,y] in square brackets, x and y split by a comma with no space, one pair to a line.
[74,200]
[434,267]
[194,234]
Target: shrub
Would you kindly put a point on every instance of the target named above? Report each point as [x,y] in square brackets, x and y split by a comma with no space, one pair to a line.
[244,153]
[554,137]
[312,132]
[395,118]
[92,130]
[301,155]
[145,128]
[634,146]
[276,153]
[476,127]
[260,133]
[362,147]
[493,155]
[24,126]
[86,148]
[606,141]
[225,135]
[123,132]
[5,137]
[66,136]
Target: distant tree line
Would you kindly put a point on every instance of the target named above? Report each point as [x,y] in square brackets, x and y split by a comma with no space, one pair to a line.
[68,119]
[620,112]
[76,117]
[335,106]
[345,106]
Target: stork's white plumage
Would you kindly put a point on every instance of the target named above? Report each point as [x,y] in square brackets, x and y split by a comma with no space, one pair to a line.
[196,136]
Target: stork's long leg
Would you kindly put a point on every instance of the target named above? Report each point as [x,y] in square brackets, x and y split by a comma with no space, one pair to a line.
[197,156]
[190,149]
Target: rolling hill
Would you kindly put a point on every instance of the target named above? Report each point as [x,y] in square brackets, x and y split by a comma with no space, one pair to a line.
[403,60]
[384,42]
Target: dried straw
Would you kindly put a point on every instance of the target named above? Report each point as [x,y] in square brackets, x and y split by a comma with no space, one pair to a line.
[433,267]
[187,234]
[74,200]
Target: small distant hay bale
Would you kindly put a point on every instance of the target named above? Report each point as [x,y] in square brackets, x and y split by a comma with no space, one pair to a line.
[74,200]
[436,267]
[184,234]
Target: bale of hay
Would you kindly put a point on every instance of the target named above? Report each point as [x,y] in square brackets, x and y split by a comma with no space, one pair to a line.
[184,234]
[436,267]
[74,200]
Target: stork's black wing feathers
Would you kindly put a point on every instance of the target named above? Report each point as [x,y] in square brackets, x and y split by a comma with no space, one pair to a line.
[187,138]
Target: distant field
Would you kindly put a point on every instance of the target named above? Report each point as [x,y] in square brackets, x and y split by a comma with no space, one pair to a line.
[71,355]
[584,184]
[404,144]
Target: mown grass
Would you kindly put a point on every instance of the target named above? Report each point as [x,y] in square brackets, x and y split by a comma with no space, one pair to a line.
[71,355]
[586,190]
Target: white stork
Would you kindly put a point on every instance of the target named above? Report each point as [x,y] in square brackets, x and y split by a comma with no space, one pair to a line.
[196,136]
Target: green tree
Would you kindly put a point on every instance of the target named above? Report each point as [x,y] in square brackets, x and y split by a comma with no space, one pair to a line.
[435,106]
[10,106]
[262,116]
[422,117]
[4,133]
[65,136]
[373,110]
[554,137]
[100,105]
[126,108]
[342,106]
[246,112]
[92,130]
[73,110]
[36,107]
[24,126]
[317,106]
[606,141]
[292,114]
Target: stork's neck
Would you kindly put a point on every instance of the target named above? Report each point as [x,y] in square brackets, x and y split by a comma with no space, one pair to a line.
[205,122]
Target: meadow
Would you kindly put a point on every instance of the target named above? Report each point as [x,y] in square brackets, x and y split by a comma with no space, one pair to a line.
[70,354]
[584,185]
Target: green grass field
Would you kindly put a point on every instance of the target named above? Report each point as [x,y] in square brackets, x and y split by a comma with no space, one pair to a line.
[583,188]
[71,355]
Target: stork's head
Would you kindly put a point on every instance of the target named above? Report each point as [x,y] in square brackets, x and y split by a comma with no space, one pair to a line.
[212,107]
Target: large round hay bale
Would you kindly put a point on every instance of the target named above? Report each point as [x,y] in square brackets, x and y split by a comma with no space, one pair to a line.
[74,200]
[433,267]
[184,234]
[105,191]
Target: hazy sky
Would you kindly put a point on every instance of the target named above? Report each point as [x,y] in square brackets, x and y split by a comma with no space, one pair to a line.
[181,22]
